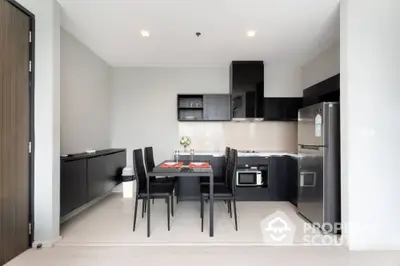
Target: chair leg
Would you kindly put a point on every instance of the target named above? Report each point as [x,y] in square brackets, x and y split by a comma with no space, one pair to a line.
[172,205]
[168,210]
[229,208]
[177,191]
[143,207]
[148,218]
[153,201]
[135,213]
[234,210]
[202,212]
[201,206]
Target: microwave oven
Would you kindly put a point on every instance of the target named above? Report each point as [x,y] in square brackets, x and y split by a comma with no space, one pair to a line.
[248,178]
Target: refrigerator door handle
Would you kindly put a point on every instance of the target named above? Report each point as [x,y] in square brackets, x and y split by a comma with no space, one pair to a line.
[310,147]
[308,184]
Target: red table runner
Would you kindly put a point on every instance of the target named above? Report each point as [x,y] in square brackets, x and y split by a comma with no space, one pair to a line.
[175,165]
[199,165]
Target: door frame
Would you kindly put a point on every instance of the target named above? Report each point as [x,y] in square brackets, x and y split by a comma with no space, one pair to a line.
[31,114]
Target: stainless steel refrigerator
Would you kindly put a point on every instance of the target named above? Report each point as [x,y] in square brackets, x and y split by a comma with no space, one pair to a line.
[319,164]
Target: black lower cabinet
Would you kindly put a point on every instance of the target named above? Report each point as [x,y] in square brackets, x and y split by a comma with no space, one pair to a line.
[281,182]
[253,194]
[283,178]
[278,179]
[85,177]
[72,186]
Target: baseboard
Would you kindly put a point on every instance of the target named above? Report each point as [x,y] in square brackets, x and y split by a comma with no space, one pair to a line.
[46,243]
[84,207]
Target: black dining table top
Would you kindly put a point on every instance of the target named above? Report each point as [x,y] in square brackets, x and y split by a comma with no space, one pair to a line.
[181,171]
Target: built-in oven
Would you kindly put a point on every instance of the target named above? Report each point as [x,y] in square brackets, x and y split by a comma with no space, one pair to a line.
[249,177]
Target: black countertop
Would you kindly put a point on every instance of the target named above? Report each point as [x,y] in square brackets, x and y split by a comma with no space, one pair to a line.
[84,155]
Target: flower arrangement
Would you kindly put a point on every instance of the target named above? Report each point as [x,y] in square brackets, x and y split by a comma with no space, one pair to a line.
[185,141]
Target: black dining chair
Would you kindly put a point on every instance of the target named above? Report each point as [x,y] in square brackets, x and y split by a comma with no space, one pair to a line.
[156,191]
[219,179]
[149,162]
[226,192]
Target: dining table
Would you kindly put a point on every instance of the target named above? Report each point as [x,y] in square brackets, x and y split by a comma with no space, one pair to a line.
[183,170]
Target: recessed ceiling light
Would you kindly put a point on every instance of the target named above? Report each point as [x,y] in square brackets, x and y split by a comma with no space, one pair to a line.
[251,33]
[145,33]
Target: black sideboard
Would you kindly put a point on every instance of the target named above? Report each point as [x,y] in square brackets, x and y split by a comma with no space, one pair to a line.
[85,177]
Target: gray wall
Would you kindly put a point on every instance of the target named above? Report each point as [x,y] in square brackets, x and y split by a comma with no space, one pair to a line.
[325,65]
[85,98]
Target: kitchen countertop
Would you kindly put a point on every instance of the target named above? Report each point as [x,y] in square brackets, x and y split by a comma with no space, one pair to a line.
[242,154]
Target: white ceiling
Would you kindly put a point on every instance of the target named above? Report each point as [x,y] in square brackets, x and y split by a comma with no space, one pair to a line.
[287,30]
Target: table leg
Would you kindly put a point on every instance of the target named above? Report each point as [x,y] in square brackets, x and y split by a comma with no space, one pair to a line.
[211,205]
[148,208]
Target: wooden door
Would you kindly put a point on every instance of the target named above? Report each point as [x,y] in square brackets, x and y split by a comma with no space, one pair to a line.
[14,131]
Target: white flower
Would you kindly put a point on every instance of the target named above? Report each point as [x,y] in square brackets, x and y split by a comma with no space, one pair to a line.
[185,141]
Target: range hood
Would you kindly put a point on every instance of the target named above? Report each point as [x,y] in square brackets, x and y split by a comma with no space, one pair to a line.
[247,90]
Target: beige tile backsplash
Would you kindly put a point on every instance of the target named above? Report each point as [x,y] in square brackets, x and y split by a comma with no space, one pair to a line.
[258,136]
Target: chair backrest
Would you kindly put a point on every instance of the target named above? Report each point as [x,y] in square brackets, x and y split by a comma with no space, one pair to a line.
[140,171]
[225,166]
[149,158]
[231,170]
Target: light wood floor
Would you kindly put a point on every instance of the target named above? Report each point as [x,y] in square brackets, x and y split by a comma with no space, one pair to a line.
[110,223]
[232,256]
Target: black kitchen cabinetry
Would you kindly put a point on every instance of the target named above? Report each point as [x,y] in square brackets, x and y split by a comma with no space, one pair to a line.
[217,107]
[254,193]
[282,109]
[247,89]
[85,177]
[325,91]
[280,182]
[278,178]
[283,178]
[205,107]
[190,107]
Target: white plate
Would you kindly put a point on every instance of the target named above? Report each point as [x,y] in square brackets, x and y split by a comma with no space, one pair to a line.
[170,163]
[197,163]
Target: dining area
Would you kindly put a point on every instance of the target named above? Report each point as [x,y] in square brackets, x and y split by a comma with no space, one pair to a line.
[161,181]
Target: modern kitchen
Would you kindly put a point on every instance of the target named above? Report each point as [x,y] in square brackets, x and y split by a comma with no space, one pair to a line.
[200,131]
[297,170]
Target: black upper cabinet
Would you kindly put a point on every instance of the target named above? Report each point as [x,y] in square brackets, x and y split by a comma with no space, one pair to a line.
[247,89]
[217,107]
[204,107]
[282,109]
[325,91]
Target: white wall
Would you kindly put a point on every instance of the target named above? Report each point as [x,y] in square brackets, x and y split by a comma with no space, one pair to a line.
[47,119]
[85,98]
[144,113]
[145,101]
[370,61]
[282,80]
[325,65]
